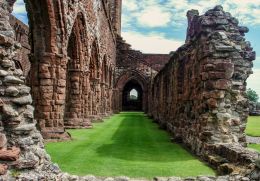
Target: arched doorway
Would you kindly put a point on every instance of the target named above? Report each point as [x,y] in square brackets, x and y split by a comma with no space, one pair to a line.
[132,96]
[126,84]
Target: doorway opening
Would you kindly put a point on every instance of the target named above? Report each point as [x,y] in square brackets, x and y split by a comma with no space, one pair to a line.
[133,96]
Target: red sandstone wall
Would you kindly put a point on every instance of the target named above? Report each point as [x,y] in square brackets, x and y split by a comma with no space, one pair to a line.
[134,65]
[199,96]
[67,63]
[21,36]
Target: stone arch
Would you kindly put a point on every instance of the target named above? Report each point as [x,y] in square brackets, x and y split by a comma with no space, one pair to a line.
[104,70]
[94,61]
[42,25]
[110,76]
[95,92]
[128,102]
[47,64]
[104,87]
[127,76]
[74,105]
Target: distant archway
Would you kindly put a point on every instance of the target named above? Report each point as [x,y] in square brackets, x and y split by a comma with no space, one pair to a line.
[125,83]
[132,96]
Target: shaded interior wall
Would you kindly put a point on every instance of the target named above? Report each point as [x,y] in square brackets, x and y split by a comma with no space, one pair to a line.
[22,36]
[199,96]
[134,65]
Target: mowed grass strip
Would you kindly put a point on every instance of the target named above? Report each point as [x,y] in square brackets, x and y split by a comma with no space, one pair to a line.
[255,147]
[253,126]
[127,144]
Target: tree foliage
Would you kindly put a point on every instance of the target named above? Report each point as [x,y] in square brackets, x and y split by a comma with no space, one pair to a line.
[252,95]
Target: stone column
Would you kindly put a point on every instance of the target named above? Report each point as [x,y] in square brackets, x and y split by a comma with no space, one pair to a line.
[48,81]
[86,95]
[73,117]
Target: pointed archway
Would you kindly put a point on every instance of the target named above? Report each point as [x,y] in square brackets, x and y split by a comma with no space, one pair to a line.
[73,113]
[132,99]
[125,83]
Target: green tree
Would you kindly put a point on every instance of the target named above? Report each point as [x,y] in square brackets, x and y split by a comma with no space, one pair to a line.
[252,95]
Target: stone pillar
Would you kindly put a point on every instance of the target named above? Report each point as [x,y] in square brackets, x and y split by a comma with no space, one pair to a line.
[73,117]
[86,98]
[190,29]
[48,81]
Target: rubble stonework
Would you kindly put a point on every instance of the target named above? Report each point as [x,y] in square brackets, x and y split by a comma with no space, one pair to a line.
[199,95]
[21,144]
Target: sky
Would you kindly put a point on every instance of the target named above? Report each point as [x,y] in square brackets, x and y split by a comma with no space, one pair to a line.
[159,26]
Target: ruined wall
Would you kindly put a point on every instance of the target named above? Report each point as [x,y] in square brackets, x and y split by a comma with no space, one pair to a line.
[116,11]
[199,96]
[71,43]
[21,144]
[22,156]
[134,65]
[21,36]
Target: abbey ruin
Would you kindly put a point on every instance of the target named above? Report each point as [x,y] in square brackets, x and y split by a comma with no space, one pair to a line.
[79,70]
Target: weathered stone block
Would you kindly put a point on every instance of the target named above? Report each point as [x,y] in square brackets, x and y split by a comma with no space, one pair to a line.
[23,100]
[12,91]
[12,80]
[9,154]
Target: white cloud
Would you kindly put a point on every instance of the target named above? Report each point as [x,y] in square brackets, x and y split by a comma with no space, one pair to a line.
[151,43]
[19,7]
[130,5]
[247,11]
[153,17]
[154,13]
[253,81]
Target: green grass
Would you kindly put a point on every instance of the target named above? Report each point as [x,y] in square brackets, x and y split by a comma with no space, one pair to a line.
[126,144]
[253,126]
[255,147]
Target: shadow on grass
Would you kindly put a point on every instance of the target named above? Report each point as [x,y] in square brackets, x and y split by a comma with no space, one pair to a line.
[138,139]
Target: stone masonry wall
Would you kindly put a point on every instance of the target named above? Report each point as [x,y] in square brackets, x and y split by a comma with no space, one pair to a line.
[21,144]
[22,154]
[73,61]
[135,65]
[199,96]
[22,36]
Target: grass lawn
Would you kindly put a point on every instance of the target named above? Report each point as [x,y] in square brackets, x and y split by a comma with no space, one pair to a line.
[253,126]
[254,146]
[126,144]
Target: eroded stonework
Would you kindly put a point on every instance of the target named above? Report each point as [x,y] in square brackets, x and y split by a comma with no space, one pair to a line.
[80,65]
[72,63]
[200,95]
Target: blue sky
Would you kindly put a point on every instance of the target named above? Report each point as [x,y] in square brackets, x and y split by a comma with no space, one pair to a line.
[159,26]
